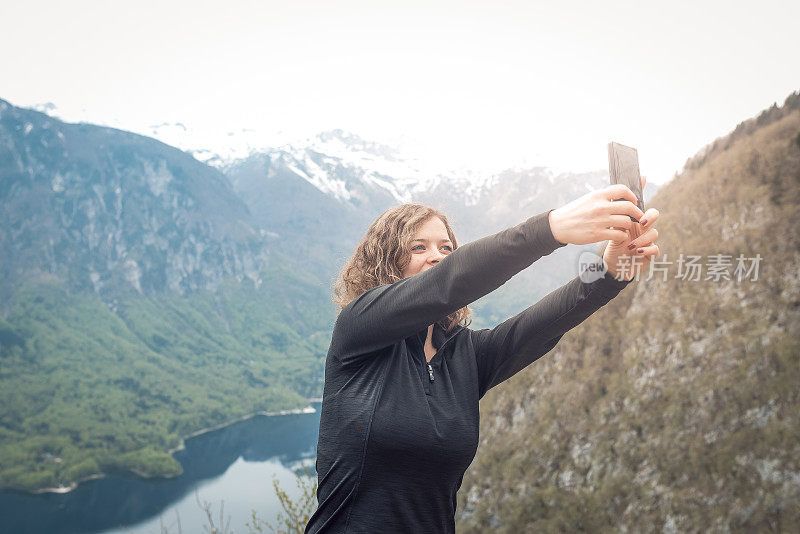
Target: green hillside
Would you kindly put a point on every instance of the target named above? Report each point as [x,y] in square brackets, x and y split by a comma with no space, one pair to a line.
[139,302]
[84,389]
[675,408]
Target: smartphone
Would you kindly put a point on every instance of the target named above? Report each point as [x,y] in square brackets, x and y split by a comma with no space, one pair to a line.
[623,168]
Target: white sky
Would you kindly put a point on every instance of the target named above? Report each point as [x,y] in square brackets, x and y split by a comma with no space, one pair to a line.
[488,84]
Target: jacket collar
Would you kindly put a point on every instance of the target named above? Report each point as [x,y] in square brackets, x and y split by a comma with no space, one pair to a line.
[438,337]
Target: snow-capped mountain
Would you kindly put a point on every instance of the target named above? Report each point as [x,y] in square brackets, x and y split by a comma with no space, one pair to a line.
[213,146]
[350,168]
[403,170]
[402,174]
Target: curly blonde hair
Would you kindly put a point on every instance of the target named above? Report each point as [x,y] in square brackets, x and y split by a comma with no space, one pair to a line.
[383,254]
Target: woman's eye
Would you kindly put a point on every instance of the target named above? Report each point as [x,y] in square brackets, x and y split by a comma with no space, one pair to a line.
[448,247]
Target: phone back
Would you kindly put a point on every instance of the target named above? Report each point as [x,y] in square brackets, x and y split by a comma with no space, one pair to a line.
[623,168]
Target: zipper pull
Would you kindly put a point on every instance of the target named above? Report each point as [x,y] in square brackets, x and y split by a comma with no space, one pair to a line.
[430,371]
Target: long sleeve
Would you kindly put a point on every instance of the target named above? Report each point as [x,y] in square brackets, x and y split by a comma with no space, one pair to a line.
[514,344]
[388,313]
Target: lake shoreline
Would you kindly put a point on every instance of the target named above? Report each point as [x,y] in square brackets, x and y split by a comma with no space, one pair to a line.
[182,445]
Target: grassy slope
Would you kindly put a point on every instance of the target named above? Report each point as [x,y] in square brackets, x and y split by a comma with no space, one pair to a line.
[107,391]
[675,406]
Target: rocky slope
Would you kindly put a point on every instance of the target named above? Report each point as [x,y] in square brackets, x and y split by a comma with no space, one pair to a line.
[103,208]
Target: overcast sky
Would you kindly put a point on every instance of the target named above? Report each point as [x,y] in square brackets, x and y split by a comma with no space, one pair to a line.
[487,84]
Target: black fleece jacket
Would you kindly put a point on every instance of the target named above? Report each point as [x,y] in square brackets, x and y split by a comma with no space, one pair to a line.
[397,432]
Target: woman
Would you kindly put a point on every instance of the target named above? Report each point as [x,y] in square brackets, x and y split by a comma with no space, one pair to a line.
[404,374]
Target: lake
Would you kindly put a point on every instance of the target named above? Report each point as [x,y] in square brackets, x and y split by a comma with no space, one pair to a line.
[232,466]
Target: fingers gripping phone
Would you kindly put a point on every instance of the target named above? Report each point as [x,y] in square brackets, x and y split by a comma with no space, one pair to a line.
[623,168]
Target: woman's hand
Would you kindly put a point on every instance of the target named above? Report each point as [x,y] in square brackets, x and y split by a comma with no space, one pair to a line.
[596,217]
[625,258]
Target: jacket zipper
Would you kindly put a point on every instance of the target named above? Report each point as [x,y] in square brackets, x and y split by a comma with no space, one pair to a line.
[430,367]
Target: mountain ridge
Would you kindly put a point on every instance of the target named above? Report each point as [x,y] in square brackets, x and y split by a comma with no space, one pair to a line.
[113,204]
[675,407]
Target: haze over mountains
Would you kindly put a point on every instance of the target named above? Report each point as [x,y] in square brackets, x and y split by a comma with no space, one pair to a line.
[332,187]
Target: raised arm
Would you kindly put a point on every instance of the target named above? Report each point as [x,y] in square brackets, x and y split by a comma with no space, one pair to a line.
[511,346]
[388,313]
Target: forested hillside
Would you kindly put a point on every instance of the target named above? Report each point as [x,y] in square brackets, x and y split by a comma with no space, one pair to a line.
[139,302]
[675,407]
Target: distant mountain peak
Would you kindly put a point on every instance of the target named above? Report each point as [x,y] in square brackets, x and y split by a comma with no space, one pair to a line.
[355,143]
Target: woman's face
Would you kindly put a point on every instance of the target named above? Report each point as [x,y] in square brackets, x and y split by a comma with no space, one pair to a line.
[431,243]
